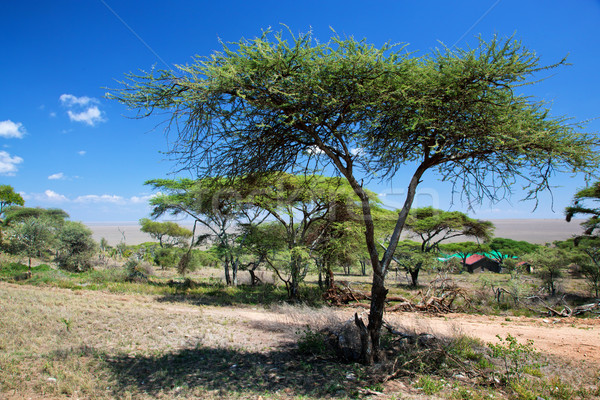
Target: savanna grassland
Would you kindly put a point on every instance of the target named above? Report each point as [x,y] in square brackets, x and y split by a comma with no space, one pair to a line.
[94,335]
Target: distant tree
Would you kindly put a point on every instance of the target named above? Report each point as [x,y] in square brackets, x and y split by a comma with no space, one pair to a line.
[216,204]
[8,198]
[410,257]
[588,242]
[590,267]
[504,248]
[549,264]
[591,196]
[32,237]
[262,244]
[18,214]
[167,233]
[433,226]
[269,104]
[33,231]
[310,208]
[75,247]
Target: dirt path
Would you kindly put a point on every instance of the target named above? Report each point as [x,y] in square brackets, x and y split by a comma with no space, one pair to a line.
[569,338]
[255,328]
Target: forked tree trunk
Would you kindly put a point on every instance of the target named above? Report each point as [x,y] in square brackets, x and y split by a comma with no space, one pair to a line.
[227,275]
[370,352]
[234,272]
[414,276]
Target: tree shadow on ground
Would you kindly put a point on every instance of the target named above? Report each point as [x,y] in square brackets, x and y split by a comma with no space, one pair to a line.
[231,373]
[201,293]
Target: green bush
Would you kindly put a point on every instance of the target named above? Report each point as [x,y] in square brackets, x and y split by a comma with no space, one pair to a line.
[137,271]
[76,247]
[167,257]
[313,343]
[514,355]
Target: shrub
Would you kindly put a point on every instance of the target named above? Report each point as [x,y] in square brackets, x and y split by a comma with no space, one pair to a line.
[514,355]
[313,343]
[76,247]
[167,257]
[137,271]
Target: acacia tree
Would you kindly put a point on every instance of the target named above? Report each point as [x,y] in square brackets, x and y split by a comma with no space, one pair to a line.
[76,247]
[168,232]
[215,204]
[33,231]
[8,198]
[503,249]
[585,202]
[269,104]
[434,226]
[309,208]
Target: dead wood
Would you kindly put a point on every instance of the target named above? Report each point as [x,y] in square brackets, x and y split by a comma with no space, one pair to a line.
[339,295]
[439,298]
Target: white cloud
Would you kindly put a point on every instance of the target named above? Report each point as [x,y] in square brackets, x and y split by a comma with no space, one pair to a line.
[81,152]
[54,197]
[9,129]
[69,100]
[141,199]
[314,150]
[82,109]
[105,198]
[52,114]
[8,163]
[90,116]
[57,176]
[357,151]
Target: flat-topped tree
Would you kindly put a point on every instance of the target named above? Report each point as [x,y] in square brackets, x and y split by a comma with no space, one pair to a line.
[167,233]
[271,104]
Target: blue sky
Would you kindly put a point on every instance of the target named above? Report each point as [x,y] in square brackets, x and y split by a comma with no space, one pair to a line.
[64,145]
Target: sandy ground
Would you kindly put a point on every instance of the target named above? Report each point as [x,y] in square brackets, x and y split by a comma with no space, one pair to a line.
[532,230]
[255,328]
[568,338]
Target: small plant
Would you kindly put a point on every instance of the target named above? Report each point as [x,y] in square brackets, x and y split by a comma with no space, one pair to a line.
[429,385]
[67,323]
[137,271]
[313,342]
[515,356]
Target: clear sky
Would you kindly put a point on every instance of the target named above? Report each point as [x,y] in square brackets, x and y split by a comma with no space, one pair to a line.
[63,144]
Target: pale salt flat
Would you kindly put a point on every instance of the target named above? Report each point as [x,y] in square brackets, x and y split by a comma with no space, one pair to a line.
[532,230]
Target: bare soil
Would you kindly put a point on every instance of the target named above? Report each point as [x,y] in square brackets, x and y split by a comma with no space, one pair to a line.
[134,333]
[256,328]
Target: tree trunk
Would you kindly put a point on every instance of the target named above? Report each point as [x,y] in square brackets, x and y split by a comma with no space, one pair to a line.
[330,282]
[378,290]
[366,348]
[414,276]
[320,279]
[378,295]
[227,276]
[234,272]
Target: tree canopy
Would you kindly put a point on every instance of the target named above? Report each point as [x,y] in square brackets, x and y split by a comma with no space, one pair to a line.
[9,197]
[168,232]
[585,203]
[273,104]
[434,226]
